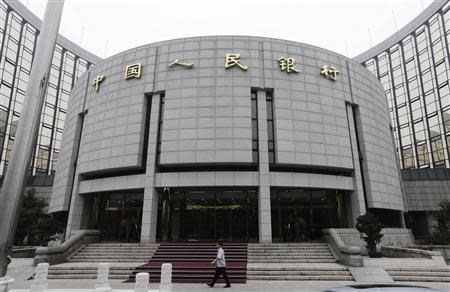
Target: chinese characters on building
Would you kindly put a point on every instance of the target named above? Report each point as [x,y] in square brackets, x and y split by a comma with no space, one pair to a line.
[329,72]
[133,71]
[96,82]
[286,64]
[234,60]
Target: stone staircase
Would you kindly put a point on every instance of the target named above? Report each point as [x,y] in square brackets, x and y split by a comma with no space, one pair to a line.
[191,262]
[290,253]
[71,272]
[420,274]
[115,253]
[122,257]
[294,261]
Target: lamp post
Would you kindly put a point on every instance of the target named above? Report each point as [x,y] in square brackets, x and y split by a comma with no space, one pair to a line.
[27,132]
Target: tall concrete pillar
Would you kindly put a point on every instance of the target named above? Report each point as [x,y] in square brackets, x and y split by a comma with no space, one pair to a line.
[150,208]
[27,131]
[264,214]
[357,201]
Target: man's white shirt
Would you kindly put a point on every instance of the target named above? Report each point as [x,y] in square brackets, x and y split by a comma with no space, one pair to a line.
[221,258]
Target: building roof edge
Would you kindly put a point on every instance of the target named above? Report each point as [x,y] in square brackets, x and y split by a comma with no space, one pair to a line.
[31,18]
[402,33]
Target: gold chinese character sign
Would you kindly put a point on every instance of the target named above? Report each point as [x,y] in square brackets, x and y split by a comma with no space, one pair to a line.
[97,80]
[234,60]
[133,71]
[287,64]
[180,63]
[329,72]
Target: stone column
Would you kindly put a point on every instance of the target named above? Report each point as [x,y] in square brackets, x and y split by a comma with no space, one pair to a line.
[150,208]
[75,210]
[357,199]
[264,215]
[28,128]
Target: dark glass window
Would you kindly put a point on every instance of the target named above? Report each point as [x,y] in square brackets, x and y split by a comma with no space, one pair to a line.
[160,126]
[270,127]
[255,143]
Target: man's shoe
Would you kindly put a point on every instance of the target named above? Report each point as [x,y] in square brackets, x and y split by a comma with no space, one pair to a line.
[227,286]
[210,285]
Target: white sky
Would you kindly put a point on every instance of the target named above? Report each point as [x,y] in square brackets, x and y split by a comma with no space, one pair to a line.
[349,27]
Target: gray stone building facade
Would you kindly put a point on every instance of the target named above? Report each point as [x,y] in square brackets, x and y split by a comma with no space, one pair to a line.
[188,149]
[413,66]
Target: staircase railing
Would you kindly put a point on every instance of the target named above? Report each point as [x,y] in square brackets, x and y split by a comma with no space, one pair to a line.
[347,254]
[61,253]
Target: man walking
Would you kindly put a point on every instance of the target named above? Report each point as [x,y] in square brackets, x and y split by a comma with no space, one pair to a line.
[220,266]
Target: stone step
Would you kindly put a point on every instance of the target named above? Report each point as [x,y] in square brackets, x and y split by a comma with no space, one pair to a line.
[419,273]
[421,269]
[117,256]
[87,272]
[95,260]
[90,253]
[122,245]
[293,268]
[93,267]
[289,251]
[421,279]
[287,248]
[85,276]
[292,261]
[298,273]
[119,249]
[289,244]
[301,278]
[291,257]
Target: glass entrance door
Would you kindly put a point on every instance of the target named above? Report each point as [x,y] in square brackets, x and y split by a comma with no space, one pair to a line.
[300,215]
[196,215]
[117,215]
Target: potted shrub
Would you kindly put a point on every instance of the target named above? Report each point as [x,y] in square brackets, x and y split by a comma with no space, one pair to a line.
[371,228]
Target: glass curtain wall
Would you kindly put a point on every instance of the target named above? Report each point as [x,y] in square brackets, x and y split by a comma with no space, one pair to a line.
[415,74]
[17,46]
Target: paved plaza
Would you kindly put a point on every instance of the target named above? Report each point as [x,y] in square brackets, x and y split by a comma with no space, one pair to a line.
[22,269]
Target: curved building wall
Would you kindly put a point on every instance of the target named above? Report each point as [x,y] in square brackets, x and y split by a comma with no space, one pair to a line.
[19,29]
[211,126]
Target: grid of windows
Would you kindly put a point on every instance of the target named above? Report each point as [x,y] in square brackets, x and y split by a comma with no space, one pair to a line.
[17,46]
[415,74]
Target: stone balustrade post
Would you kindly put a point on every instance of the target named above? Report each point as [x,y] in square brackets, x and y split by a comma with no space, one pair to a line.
[40,278]
[5,283]
[142,282]
[166,278]
[102,283]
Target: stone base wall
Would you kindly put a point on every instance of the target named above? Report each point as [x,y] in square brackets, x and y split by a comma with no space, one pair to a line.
[392,236]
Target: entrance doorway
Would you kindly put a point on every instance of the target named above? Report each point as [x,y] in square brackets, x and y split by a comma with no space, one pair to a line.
[300,215]
[117,215]
[203,215]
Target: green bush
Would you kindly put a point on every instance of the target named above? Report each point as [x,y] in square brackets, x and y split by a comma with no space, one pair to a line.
[441,233]
[371,228]
[35,227]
